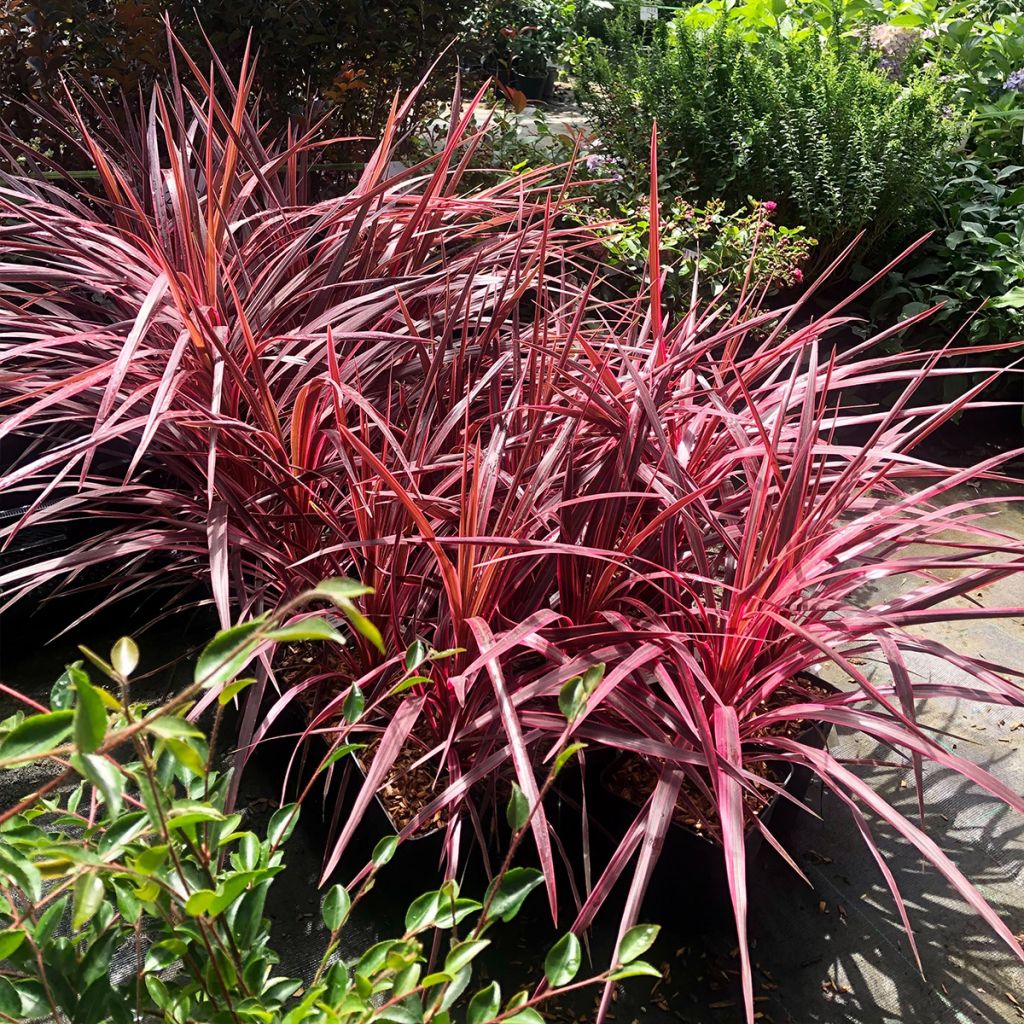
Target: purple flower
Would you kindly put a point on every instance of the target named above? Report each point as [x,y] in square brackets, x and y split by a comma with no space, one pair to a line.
[603,164]
[770,206]
[1015,81]
[893,40]
[894,44]
[890,67]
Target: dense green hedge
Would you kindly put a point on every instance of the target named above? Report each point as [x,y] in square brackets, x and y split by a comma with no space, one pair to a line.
[812,127]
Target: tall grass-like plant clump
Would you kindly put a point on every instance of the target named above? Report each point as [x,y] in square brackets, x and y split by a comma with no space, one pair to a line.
[581,521]
[759,510]
[195,312]
[290,386]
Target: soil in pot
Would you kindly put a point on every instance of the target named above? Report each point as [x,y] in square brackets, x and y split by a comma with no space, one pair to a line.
[407,789]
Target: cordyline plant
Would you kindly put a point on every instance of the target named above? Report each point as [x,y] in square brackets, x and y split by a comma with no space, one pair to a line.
[618,529]
[248,354]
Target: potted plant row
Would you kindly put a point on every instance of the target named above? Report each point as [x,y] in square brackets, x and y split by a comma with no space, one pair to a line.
[572,518]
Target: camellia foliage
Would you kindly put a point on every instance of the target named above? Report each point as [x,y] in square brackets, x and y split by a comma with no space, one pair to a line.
[129,890]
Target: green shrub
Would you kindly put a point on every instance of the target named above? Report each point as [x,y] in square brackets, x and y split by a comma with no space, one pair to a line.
[815,128]
[722,246]
[348,58]
[973,265]
[131,891]
[719,246]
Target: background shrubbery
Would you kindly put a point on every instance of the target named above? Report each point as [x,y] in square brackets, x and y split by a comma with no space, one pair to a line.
[580,506]
[895,118]
[344,60]
[805,124]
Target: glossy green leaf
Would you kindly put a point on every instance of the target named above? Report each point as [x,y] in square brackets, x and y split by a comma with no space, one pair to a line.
[228,653]
[572,698]
[339,752]
[385,850]
[407,979]
[340,588]
[517,812]
[10,940]
[199,902]
[341,593]
[88,895]
[458,985]
[521,998]
[463,954]
[337,981]
[408,684]
[34,1002]
[566,756]
[37,734]
[592,678]
[562,963]
[123,831]
[10,1001]
[484,1006]
[422,912]
[191,812]
[90,722]
[448,652]
[50,920]
[526,1016]
[107,779]
[375,958]
[437,978]
[104,666]
[187,754]
[158,991]
[636,969]
[232,690]
[248,853]
[169,727]
[307,629]
[230,888]
[124,656]
[162,954]
[62,693]
[506,894]
[450,914]
[399,1014]
[416,654]
[146,862]
[336,907]
[282,823]
[354,704]
[637,941]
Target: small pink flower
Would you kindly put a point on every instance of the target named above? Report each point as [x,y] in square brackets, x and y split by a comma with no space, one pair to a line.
[798,275]
[770,207]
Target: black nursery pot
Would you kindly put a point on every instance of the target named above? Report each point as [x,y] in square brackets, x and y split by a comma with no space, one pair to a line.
[537,87]
[331,801]
[690,874]
[414,857]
